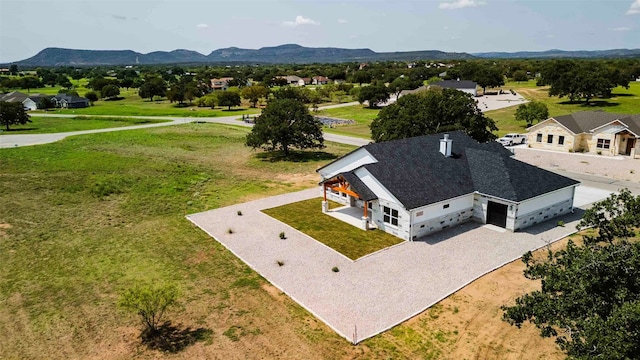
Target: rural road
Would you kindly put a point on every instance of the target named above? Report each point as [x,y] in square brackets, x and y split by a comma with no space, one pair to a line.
[11,141]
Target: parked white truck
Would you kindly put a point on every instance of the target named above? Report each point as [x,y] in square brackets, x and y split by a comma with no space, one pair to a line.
[513,139]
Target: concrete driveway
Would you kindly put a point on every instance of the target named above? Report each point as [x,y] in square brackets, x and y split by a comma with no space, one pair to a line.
[379,291]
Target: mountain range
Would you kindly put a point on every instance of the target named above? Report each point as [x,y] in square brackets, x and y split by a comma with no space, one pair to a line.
[289,53]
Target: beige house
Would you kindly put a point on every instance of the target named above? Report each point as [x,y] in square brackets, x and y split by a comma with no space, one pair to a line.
[588,131]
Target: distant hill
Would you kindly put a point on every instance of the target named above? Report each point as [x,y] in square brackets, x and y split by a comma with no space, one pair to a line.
[289,53]
[561,54]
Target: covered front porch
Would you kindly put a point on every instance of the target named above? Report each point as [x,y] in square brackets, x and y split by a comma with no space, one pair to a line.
[627,143]
[347,189]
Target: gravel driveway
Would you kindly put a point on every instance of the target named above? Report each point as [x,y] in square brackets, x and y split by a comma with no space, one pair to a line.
[376,292]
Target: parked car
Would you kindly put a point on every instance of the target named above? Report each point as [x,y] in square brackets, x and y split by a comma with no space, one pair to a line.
[513,139]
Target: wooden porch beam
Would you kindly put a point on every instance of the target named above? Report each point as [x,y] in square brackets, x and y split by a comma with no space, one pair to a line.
[346,191]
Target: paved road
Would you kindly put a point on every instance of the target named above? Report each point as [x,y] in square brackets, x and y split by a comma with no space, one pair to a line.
[10,141]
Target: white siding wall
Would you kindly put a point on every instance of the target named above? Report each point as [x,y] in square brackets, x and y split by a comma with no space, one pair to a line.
[545,207]
[403,229]
[349,162]
[435,217]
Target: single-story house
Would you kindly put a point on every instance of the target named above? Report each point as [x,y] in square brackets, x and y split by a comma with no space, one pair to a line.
[70,101]
[221,83]
[320,80]
[588,131]
[30,102]
[14,96]
[467,86]
[413,187]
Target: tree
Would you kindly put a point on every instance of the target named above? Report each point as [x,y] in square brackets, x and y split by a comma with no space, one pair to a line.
[533,111]
[430,112]
[13,69]
[520,75]
[63,81]
[254,93]
[110,91]
[361,77]
[402,83]
[590,295]
[45,102]
[152,86]
[285,123]
[30,82]
[12,113]
[229,98]
[374,94]
[92,96]
[489,77]
[151,304]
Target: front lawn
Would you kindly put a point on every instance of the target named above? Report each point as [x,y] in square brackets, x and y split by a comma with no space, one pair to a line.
[307,217]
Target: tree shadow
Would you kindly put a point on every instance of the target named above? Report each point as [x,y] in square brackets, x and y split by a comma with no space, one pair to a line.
[621,95]
[117,98]
[592,103]
[295,156]
[233,110]
[20,129]
[173,339]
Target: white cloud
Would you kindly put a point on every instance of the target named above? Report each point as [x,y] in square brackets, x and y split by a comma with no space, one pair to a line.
[459,4]
[202,26]
[342,21]
[300,20]
[622,28]
[634,8]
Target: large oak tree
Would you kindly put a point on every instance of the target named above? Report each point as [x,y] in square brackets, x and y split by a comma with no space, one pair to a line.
[283,124]
[590,295]
[430,112]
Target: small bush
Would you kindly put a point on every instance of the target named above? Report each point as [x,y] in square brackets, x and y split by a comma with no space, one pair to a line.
[282,235]
[599,152]
[561,223]
[239,213]
[229,231]
[335,269]
[280,262]
[570,150]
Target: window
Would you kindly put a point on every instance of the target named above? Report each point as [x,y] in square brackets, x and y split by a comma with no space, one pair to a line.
[390,216]
[603,144]
[560,140]
[445,206]
[549,139]
[539,138]
[369,205]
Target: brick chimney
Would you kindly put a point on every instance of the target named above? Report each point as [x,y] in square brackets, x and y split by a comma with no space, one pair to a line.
[445,145]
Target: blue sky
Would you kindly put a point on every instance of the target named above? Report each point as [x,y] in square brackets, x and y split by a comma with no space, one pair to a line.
[28,26]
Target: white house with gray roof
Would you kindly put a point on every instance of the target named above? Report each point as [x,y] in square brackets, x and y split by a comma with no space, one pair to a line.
[598,132]
[413,187]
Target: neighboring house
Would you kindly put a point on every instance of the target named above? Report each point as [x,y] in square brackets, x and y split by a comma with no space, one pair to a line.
[588,131]
[30,102]
[320,80]
[467,86]
[413,187]
[14,96]
[69,101]
[306,81]
[221,83]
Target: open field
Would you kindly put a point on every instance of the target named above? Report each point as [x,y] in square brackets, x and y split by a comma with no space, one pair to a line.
[41,125]
[625,101]
[307,217]
[91,216]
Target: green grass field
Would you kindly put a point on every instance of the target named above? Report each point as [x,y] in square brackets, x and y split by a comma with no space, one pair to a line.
[625,101]
[362,115]
[41,125]
[89,216]
[348,240]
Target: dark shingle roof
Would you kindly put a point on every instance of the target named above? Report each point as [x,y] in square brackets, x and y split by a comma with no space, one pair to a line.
[358,186]
[417,174]
[456,84]
[585,121]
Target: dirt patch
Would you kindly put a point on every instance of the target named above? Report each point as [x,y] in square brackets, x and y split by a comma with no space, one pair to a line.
[3,227]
